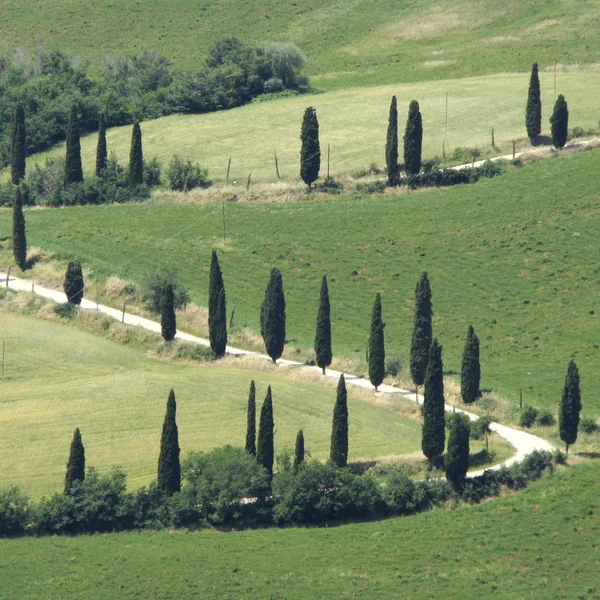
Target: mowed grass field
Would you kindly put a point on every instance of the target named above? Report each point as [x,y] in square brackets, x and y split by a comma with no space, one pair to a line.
[541,542]
[353,122]
[58,378]
[347,42]
[515,256]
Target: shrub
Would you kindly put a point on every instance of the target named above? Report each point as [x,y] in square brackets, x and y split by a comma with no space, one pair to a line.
[152,172]
[14,512]
[401,494]
[330,186]
[151,507]
[393,366]
[66,310]
[588,425]
[545,419]
[185,175]
[154,286]
[528,416]
[274,85]
[371,187]
[479,427]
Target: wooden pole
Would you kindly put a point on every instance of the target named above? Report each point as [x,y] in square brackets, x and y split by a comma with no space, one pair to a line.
[520,398]
[8,274]
[228,167]
[123,316]
[248,182]
[231,319]
[444,149]
[276,164]
[514,149]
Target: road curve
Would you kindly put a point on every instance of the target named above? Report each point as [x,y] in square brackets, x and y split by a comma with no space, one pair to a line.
[523,442]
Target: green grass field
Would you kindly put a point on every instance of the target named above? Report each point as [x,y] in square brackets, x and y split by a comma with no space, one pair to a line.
[348,42]
[353,122]
[539,543]
[58,378]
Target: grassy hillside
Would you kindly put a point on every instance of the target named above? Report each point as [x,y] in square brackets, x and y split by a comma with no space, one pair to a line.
[539,543]
[348,42]
[58,378]
[354,122]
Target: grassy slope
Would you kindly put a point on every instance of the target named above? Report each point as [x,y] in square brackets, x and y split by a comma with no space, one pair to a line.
[348,42]
[516,256]
[354,122]
[58,378]
[539,543]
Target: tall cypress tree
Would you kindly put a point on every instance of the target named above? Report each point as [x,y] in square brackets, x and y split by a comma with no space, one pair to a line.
[168,323]
[169,469]
[570,407]
[376,345]
[73,169]
[559,123]
[470,373]
[251,421]
[101,152]
[18,148]
[76,464]
[391,144]
[265,450]
[299,451]
[434,418]
[323,335]
[136,156]
[310,151]
[272,316]
[73,283]
[456,462]
[339,429]
[422,331]
[217,315]
[413,140]
[19,237]
[533,110]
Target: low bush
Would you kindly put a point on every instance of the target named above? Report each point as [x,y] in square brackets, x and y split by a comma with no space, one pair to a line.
[588,425]
[155,284]
[545,419]
[330,186]
[184,175]
[479,427]
[371,187]
[66,310]
[14,512]
[528,416]
[393,366]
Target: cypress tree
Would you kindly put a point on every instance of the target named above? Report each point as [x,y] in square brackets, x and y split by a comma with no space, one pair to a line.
[310,151]
[251,421]
[272,316]
[434,418]
[470,373]
[559,123]
[422,331]
[18,148]
[570,407]
[533,110]
[339,430]
[456,461]
[265,450]
[168,324]
[376,345]
[73,169]
[217,314]
[169,469]
[73,283]
[19,237]
[76,464]
[323,335]
[391,144]
[413,140]
[101,152]
[299,451]
[136,157]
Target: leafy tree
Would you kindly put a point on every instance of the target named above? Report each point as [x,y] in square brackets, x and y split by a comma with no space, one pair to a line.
[391,144]
[136,156]
[265,450]
[533,111]
[73,284]
[251,421]
[217,314]
[73,169]
[339,431]
[376,345]
[18,149]
[413,140]
[169,469]
[422,331]
[101,152]
[323,335]
[570,407]
[470,374]
[559,123]
[19,237]
[310,152]
[272,316]
[299,451]
[456,461]
[168,323]
[286,61]
[76,464]
[434,418]
[154,286]
[184,176]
